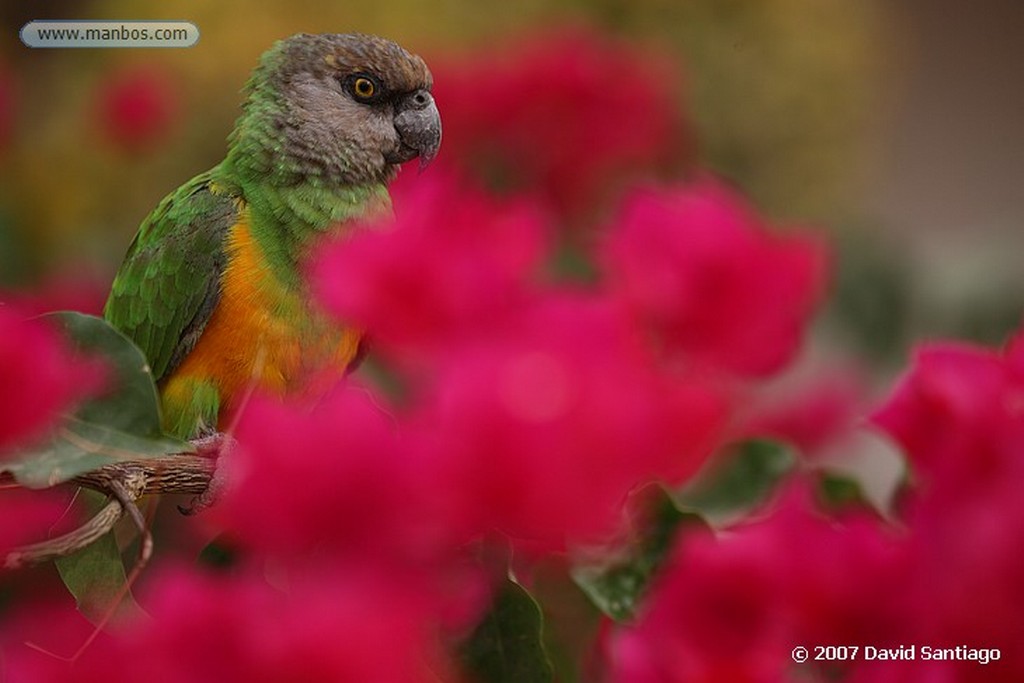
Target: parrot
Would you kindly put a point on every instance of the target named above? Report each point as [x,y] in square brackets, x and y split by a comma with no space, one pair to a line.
[211,288]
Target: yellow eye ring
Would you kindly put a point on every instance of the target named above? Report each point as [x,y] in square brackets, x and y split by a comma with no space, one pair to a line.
[363,88]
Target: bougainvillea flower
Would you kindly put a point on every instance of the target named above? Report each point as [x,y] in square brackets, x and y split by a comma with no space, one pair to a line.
[959,415]
[733,609]
[136,108]
[452,264]
[311,478]
[542,430]
[345,627]
[567,115]
[39,377]
[700,270]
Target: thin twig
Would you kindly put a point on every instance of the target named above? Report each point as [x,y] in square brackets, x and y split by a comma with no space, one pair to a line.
[126,494]
[67,544]
[125,482]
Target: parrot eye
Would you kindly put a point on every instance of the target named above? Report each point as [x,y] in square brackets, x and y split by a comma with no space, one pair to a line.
[363,88]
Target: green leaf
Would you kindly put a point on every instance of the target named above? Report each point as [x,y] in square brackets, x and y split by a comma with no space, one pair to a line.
[837,491]
[220,554]
[571,262]
[77,447]
[130,402]
[95,574]
[617,585]
[508,646]
[738,480]
[122,423]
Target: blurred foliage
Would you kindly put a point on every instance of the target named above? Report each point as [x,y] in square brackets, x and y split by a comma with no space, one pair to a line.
[617,585]
[738,481]
[507,646]
[779,90]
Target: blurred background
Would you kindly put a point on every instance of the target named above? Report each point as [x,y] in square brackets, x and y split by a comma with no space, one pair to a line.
[894,126]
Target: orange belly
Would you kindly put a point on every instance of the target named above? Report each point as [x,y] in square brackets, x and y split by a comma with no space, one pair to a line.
[262,333]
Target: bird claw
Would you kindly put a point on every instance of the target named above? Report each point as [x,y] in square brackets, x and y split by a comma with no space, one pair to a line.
[217,446]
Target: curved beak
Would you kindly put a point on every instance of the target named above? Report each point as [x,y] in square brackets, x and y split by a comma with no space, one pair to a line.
[418,124]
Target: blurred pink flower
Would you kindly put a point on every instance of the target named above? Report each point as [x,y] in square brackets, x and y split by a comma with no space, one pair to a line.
[39,614]
[542,429]
[36,512]
[334,478]
[567,115]
[732,609]
[538,406]
[39,377]
[243,629]
[699,269]
[454,262]
[136,107]
[959,414]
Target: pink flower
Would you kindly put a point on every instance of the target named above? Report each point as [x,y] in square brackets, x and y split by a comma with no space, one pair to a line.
[699,270]
[334,478]
[343,484]
[732,609]
[536,407]
[353,627]
[38,379]
[959,414]
[542,429]
[136,108]
[454,262]
[565,114]
[30,516]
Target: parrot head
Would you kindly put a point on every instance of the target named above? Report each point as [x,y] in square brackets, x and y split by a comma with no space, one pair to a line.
[348,108]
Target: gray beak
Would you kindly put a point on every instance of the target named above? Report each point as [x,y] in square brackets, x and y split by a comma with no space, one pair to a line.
[419,128]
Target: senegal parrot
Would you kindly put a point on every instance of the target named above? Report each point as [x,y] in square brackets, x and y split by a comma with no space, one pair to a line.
[211,287]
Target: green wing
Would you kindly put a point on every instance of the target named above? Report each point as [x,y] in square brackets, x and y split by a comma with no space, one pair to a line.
[169,284]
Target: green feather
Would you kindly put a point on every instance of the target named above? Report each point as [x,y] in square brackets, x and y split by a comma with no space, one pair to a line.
[165,280]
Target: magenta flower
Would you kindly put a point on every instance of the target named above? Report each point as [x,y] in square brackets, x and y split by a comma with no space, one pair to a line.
[453,263]
[36,514]
[543,428]
[733,609]
[136,108]
[340,627]
[959,414]
[712,285]
[567,115]
[39,378]
[338,478]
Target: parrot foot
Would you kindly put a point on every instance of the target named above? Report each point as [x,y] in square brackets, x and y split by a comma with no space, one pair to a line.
[216,446]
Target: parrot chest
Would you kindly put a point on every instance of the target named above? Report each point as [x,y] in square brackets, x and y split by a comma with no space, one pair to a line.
[263,333]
